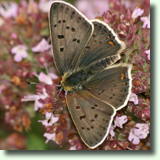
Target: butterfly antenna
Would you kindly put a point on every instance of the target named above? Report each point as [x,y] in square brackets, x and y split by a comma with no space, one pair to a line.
[44,84]
[55,102]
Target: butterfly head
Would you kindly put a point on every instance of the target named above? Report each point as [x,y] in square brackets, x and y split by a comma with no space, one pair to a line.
[64,83]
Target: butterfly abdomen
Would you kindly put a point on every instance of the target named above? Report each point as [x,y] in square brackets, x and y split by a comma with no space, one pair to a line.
[102,64]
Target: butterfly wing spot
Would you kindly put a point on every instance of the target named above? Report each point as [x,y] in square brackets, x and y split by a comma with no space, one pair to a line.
[78,41]
[64,21]
[82,127]
[104,31]
[59,21]
[102,127]
[87,47]
[101,92]
[122,76]
[100,42]
[93,35]
[66,10]
[92,107]
[113,94]
[109,36]
[115,85]
[95,40]
[82,117]
[60,36]
[100,27]
[110,42]
[74,39]
[105,120]
[73,14]
[96,116]
[73,29]
[67,27]
[110,97]
[85,23]
[79,19]
[111,89]
[96,105]
[77,107]
[61,49]
[92,127]
[55,26]
[92,120]
[88,129]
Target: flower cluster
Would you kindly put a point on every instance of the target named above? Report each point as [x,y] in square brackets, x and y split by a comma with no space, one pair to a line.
[26,56]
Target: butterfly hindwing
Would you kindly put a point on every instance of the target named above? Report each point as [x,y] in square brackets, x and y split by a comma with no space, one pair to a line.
[91,116]
[66,27]
[103,43]
[112,85]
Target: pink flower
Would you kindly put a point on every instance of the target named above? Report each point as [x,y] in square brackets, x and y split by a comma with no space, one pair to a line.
[44,5]
[119,121]
[146,21]
[9,11]
[142,130]
[133,138]
[137,12]
[50,136]
[111,132]
[41,46]
[47,79]
[138,133]
[148,54]
[133,98]
[53,119]
[35,98]
[73,148]
[20,52]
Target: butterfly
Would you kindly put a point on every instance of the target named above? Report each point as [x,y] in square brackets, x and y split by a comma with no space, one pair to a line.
[85,52]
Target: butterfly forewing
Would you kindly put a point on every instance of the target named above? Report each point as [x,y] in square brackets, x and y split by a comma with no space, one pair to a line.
[91,116]
[67,25]
[112,85]
[103,43]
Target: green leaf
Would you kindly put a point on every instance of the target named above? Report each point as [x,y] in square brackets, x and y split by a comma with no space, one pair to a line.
[36,142]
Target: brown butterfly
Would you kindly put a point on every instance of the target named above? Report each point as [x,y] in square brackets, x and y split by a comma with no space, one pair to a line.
[85,52]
